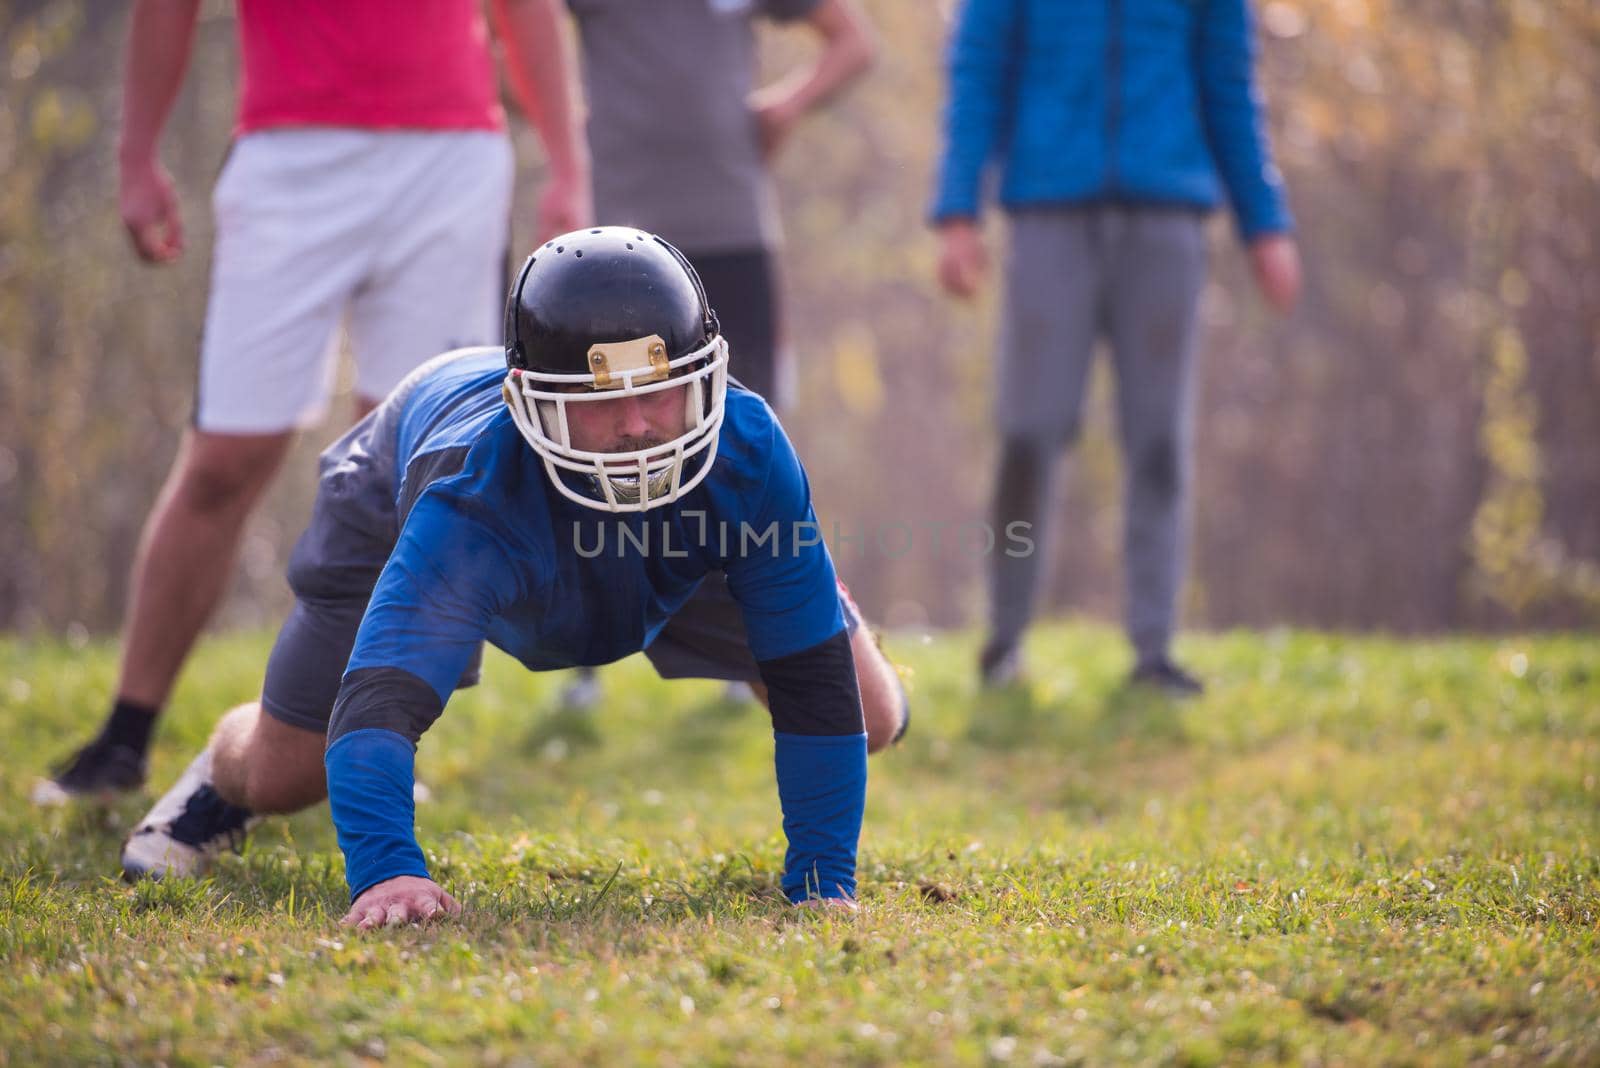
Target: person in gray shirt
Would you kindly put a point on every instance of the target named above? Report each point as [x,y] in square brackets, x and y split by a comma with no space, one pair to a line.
[682,142]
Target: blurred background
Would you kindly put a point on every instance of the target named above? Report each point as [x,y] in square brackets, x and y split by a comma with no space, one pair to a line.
[1417,448]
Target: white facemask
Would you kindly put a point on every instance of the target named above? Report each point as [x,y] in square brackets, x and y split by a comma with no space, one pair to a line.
[625,481]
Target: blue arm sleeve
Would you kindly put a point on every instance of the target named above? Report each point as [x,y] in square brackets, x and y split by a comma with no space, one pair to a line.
[780,571]
[980,60]
[795,625]
[1235,120]
[444,583]
[428,613]
[822,785]
[370,778]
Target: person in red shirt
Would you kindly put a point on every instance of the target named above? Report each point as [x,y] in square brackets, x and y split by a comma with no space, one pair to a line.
[369,185]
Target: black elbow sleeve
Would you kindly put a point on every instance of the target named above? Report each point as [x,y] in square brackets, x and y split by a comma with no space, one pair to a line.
[385,698]
[814,691]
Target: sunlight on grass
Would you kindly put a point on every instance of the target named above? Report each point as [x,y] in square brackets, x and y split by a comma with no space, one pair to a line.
[1350,850]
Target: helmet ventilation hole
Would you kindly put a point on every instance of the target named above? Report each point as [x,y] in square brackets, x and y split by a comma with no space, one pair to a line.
[560,249]
[578,253]
[630,246]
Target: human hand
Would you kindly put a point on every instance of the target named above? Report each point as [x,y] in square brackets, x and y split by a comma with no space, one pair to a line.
[1275,262]
[401,900]
[149,206]
[565,204]
[776,117]
[963,260]
[830,904]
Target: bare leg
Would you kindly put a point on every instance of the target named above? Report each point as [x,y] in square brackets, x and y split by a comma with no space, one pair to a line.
[265,765]
[185,559]
[253,765]
[187,553]
[883,703]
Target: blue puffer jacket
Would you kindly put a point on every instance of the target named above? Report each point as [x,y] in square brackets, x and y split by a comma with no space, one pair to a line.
[1141,101]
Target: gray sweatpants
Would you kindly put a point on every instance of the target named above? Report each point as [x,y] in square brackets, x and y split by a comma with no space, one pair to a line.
[1132,275]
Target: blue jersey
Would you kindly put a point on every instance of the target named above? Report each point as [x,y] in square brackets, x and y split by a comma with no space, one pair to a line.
[488,549]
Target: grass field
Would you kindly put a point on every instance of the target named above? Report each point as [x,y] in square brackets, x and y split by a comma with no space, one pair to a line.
[1350,851]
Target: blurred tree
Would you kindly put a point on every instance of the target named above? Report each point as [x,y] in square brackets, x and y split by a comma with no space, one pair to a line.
[1418,448]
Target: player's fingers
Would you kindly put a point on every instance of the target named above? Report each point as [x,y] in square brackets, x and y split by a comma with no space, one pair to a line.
[829,904]
[451,905]
[426,906]
[398,913]
[357,915]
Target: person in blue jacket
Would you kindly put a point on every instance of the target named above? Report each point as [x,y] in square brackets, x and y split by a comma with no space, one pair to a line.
[596,488]
[1113,127]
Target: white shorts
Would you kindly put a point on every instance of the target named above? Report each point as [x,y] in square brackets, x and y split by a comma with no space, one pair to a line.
[400,235]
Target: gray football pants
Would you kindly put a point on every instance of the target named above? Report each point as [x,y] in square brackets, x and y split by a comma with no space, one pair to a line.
[1131,275]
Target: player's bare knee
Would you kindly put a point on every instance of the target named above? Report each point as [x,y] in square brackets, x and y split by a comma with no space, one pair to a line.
[882,698]
[265,765]
[284,789]
[879,735]
[230,757]
[881,708]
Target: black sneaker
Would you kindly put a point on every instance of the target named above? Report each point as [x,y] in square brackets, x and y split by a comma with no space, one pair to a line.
[100,769]
[999,665]
[186,829]
[1168,677]
[582,693]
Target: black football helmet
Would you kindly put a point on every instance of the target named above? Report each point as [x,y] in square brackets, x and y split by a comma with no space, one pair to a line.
[604,312]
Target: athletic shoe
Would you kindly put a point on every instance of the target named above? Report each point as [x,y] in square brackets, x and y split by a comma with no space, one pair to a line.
[100,769]
[1168,677]
[999,666]
[188,828]
[583,693]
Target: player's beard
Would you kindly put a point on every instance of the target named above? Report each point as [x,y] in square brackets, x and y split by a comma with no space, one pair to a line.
[638,443]
[625,485]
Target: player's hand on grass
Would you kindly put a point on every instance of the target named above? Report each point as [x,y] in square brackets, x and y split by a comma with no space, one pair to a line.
[149,206]
[399,901]
[963,260]
[829,904]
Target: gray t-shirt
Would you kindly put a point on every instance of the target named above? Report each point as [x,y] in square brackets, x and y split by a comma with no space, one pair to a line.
[674,143]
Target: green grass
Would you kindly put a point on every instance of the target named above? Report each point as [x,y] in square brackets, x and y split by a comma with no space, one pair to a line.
[1350,851]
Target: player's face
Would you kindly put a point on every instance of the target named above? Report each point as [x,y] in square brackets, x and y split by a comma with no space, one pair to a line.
[628,423]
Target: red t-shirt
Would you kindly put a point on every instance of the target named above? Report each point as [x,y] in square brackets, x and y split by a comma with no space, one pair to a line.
[369,64]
